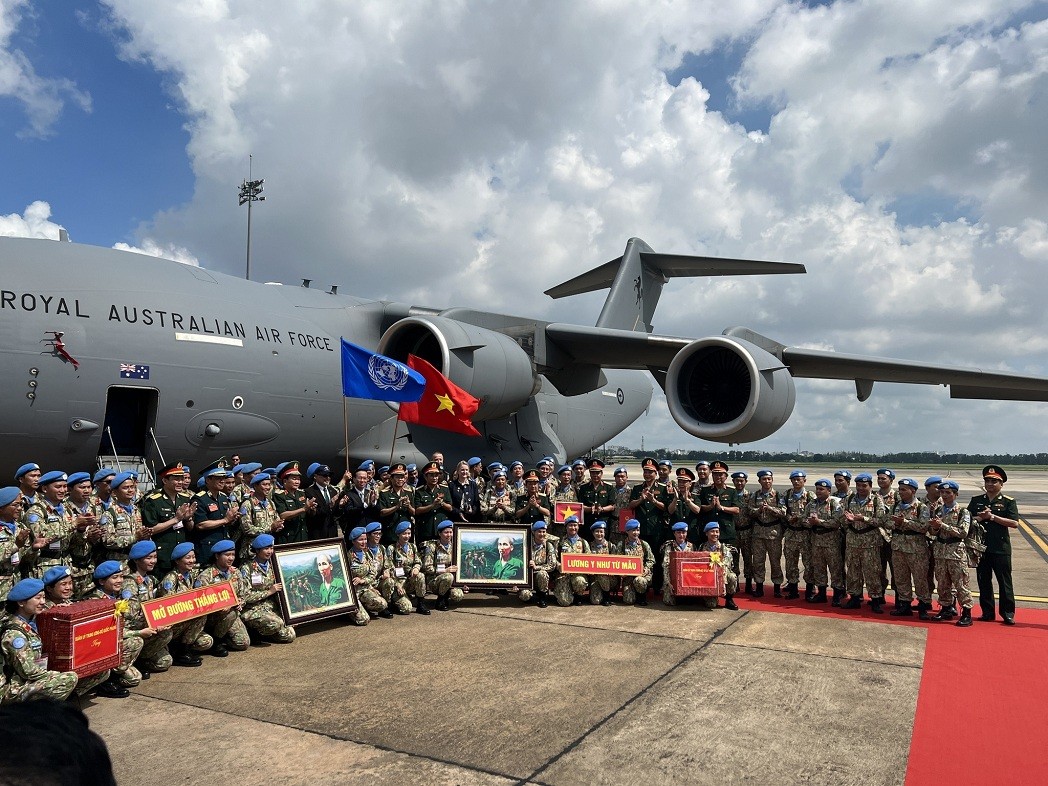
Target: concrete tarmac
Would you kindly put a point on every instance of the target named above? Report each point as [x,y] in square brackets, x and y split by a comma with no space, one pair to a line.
[498,692]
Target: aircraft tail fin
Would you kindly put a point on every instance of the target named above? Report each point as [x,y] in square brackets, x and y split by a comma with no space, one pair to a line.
[636,279]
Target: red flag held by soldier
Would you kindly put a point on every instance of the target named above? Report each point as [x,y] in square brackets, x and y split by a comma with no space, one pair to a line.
[443,405]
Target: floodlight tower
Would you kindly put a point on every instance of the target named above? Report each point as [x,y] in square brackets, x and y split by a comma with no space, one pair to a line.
[250,191]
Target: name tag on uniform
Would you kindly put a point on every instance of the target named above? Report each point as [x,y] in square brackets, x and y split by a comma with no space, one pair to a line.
[16,558]
[257,579]
[41,662]
[212,508]
[55,545]
[441,568]
[398,572]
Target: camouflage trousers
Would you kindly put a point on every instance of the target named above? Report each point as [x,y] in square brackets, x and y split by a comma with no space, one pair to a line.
[126,673]
[56,685]
[386,587]
[444,584]
[796,546]
[154,655]
[951,576]
[88,684]
[370,599]
[910,574]
[634,587]
[191,633]
[539,582]
[229,626]
[826,559]
[407,588]
[763,550]
[744,543]
[599,586]
[864,565]
[263,619]
[567,586]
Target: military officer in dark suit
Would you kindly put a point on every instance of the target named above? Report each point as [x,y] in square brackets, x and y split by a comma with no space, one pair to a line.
[998,513]
[214,518]
[357,505]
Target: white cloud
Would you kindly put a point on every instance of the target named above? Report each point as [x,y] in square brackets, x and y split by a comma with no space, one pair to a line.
[476,154]
[34,222]
[42,98]
[153,249]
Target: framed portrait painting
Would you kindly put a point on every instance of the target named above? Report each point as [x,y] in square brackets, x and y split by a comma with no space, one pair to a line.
[316,580]
[492,555]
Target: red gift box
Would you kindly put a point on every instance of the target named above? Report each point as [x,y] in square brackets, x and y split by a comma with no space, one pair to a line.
[84,637]
[692,574]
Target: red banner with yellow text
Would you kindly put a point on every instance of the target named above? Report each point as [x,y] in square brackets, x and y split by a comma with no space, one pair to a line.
[182,606]
[602,564]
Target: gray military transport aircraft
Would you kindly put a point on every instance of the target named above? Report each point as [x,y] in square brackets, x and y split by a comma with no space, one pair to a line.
[106,352]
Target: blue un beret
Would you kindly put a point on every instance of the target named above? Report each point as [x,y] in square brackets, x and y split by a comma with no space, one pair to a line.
[55,574]
[107,569]
[824,483]
[366,464]
[79,477]
[571,520]
[52,476]
[539,524]
[763,473]
[886,471]
[934,480]
[908,482]
[598,524]
[474,461]
[253,466]
[262,541]
[142,548]
[739,474]
[373,526]
[181,550]
[260,477]
[24,469]
[444,525]
[563,468]
[711,525]
[8,494]
[798,473]
[632,524]
[402,527]
[356,532]
[223,545]
[843,473]
[411,467]
[949,484]
[238,468]
[680,526]
[516,464]
[864,477]
[123,477]
[102,474]
[25,589]
[200,482]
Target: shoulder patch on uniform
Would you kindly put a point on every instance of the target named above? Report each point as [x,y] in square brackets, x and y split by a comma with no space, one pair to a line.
[33,518]
[154,495]
[126,594]
[200,494]
[198,583]
[18,642]
[168,586]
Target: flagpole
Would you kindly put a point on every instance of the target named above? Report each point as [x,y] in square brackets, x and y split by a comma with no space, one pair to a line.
[345,425]
[393,444]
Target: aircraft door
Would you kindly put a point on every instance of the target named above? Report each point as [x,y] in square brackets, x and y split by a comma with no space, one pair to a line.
[130,414]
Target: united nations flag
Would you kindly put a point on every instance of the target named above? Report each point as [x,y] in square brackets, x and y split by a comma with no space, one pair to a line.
[366,374]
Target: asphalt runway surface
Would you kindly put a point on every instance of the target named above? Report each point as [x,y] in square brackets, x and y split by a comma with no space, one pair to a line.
[498,692]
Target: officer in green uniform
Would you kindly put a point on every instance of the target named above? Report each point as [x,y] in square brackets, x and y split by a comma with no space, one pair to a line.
[292,506]
[596,497]
[720,504]
[165,514]
[650,502]
[998,513]
[432,503]
[688,503]
[532,504]
[395,503]
[214,518]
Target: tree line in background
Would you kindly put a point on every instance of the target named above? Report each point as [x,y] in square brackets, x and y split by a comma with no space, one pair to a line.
[843,457]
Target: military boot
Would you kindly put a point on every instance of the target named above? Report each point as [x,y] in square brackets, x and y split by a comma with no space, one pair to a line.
[541,600]
[838,598]
[854,602]
[749,586]
[729,603]
[820,596]
[442,603]
[877,605]
[112,690]
[946,613]
[966,619]
[778,590]
[422,607]
[902,610]
[577,600]
[791,591]
[922,611]
[809,593]
[758,590]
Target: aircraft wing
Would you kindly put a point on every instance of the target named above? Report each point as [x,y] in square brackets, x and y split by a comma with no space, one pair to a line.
[628,349]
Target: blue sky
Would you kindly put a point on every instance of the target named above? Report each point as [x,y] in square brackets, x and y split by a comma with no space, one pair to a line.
[479,153]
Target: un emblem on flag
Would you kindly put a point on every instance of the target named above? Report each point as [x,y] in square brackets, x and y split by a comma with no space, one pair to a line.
[386,374]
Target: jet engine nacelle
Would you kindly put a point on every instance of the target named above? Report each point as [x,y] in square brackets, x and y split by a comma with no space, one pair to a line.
[728,390]
[490,365]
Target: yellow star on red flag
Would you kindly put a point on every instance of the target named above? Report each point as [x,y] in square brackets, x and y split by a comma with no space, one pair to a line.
[445,402]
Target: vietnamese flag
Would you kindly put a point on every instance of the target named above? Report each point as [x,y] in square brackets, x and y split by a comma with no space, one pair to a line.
[443,405]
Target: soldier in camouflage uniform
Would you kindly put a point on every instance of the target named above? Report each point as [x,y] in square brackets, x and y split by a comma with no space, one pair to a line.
[866,519]
[187,638]
[56,535]
[568,589]
[257,515]
[768,513]
[438,563]
[821,516]
[910,524]
[932,502]
[950,528]
[743,528]
[227,627]
[635,588]
[362,575]
[260,612]
[680,542]
[395,503]
[409,580]
[562,491]
[601,587]
[796,541]
[22,651]
[885,478]
[532,504]
[381,567]
[544,566]
[720,551]
[14,540]
[121,523]
[596,497]
[499,502]
[87,521]
[155,642]
[109,585]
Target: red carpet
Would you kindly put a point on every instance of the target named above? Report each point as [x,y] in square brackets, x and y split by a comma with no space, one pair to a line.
[982,708]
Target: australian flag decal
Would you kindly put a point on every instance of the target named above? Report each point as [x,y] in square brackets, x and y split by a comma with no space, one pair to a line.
[133,371]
